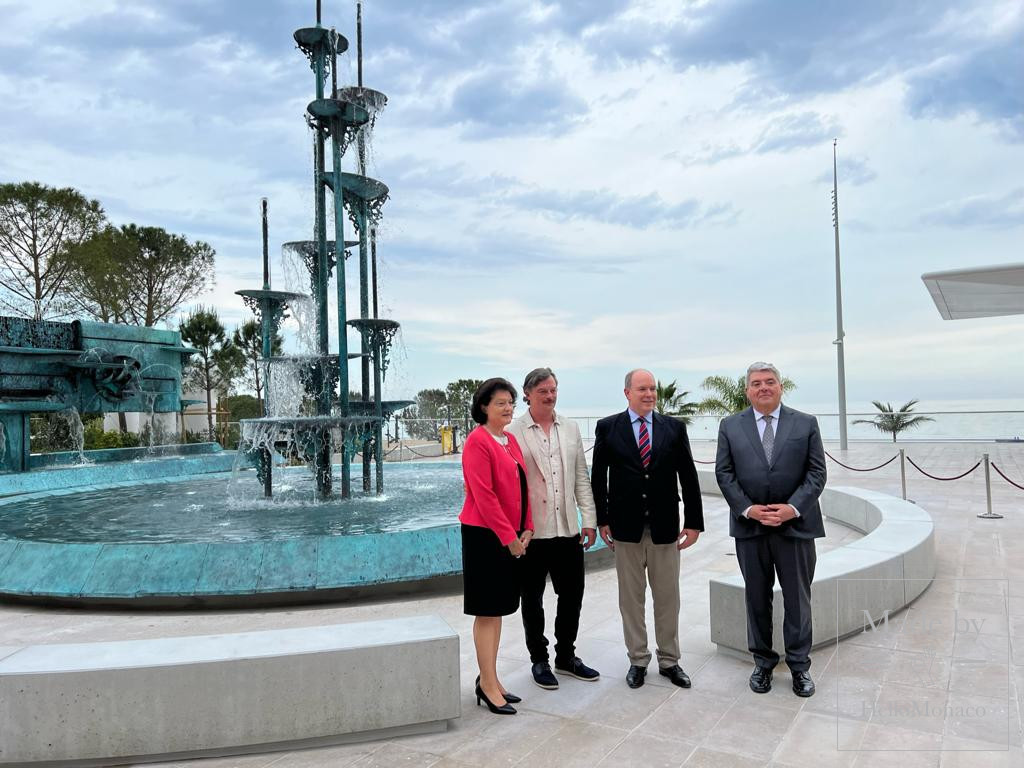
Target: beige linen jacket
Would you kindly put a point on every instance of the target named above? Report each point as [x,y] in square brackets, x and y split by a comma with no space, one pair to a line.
[575,481]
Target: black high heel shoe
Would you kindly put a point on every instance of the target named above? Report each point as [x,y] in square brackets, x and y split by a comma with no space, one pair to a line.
[507,709]
[511,698]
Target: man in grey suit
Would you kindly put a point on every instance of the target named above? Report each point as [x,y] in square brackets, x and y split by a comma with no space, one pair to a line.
[771,469]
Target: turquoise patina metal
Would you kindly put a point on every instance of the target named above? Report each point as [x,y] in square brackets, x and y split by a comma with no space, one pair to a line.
[89,367]
[114,368]
[339,425]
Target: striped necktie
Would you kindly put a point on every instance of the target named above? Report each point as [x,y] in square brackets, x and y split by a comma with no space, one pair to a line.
[644,441]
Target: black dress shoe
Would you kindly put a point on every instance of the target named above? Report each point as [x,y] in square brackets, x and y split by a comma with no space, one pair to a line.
[761,680]
[676,675]
[802,684]
[635,676]
[510,697]
[543,676]
[505,709]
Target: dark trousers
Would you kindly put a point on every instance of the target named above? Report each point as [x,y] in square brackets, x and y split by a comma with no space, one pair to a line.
[761,557]
[560,557]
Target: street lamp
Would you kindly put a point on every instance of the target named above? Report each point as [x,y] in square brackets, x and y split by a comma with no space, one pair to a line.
[839,305]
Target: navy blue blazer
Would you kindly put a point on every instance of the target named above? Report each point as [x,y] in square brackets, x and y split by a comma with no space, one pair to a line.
[628,496]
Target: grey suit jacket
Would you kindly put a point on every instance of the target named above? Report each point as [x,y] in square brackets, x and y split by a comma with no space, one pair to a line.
[795,476]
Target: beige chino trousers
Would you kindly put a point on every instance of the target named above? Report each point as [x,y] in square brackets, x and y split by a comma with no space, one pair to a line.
[635,565]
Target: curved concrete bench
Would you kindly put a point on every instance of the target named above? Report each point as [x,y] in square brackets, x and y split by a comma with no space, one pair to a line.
[883,571]
[184,697]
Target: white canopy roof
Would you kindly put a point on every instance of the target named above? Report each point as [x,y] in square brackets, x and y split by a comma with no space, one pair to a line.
[979,292]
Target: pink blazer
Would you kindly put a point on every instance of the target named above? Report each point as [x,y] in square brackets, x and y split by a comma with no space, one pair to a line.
[492,485]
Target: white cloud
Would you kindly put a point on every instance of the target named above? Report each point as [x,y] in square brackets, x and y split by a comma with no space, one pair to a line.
[575,239]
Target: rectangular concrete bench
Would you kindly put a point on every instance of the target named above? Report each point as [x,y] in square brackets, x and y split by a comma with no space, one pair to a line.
[169,698]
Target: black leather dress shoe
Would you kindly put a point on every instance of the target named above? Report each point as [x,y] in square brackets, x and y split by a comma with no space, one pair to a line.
[676,675]
[761,680]
[802,684]
[510,697]
[635,676]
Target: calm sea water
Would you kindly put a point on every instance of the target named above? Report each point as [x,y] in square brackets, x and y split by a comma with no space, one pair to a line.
[951,420]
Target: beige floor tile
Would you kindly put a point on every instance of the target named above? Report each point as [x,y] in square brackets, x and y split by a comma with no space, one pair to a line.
[885,746]
[967,753]
[905,706]
[507,739]
[688,715]
[924,670]
[849,697]
[703,757]
[751,729]
[342,755]
[820,740]
[981,678]
[641,750]
[979,647]
[978,717]
[723,674]
[395,756]
[861,661]
[622,707]
[574,745]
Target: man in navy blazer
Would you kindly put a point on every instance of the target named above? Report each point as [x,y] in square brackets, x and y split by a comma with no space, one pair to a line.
[641,459]
[771,469]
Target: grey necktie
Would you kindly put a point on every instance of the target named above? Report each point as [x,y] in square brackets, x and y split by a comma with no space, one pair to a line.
[768,438]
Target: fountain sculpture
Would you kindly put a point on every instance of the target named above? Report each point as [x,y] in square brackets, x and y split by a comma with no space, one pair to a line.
[337,424]
[84,367]
[193,530]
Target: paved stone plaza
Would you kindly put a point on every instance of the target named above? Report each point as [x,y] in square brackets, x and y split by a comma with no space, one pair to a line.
[928,689]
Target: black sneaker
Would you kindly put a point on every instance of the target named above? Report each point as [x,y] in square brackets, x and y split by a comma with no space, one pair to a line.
[542,676]
[576,668]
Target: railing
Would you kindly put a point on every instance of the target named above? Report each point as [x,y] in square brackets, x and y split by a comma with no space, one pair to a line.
[948,426]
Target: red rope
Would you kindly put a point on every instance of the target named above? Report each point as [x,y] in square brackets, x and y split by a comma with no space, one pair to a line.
[997,469]
[856,469]
[933,477]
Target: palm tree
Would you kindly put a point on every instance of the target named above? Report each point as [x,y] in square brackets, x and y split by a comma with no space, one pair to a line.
[673,403]
[892,421]
[730,395]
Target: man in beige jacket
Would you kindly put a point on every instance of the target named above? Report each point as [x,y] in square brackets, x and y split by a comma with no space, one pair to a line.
[556,468]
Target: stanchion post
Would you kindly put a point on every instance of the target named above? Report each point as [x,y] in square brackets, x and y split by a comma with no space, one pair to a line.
[989,514]
[903,471]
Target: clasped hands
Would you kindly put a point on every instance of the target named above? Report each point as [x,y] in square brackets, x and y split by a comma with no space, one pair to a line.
[518,546]
[686,538]
[772,515]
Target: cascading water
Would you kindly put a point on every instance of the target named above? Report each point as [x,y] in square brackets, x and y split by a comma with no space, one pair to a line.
[308,413]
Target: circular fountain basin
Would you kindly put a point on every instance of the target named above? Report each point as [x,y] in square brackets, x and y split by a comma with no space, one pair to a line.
[213,541]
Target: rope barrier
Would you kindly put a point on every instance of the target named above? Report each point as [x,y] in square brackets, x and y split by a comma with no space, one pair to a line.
[934,477]
[698,461]
[413,451]
[857,469]
[997,469]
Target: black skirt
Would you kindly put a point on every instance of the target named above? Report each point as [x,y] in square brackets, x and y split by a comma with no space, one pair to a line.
[490,574]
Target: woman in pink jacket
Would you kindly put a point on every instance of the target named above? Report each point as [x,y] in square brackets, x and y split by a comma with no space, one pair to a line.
[496,529]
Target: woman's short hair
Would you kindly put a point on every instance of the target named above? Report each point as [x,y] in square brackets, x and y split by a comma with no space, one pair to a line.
[485,393]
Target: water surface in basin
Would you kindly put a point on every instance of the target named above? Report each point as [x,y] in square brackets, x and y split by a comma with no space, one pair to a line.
[225,508]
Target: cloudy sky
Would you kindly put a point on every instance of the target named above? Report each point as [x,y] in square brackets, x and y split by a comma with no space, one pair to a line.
[592,185]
